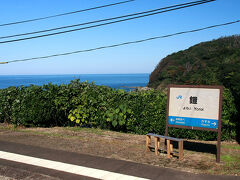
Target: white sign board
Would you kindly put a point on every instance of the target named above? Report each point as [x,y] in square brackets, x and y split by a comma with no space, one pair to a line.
[194,107]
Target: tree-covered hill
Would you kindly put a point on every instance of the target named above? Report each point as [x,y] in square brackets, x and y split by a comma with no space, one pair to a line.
[213,62]
[216,62]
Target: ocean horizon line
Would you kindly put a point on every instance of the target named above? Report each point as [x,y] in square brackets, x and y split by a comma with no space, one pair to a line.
[71,74]
[119,81]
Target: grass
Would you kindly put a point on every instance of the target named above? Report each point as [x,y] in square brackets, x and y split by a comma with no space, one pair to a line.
[229,159]
[90,130]
[51,134]
[231,146]
[232,164]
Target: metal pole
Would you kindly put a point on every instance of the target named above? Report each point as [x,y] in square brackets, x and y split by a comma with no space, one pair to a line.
[218,146]
[219,126]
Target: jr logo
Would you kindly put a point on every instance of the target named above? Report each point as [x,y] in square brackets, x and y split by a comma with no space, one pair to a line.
[179,97]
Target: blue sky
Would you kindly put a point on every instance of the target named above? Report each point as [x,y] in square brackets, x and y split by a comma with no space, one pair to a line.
[137,58]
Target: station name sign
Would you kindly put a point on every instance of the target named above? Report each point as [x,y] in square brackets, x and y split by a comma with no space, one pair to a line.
[194,106]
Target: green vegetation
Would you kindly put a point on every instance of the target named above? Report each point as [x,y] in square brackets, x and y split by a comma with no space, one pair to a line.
[232,162]
[210,63]
[232,146]
[228,158]
[88,105]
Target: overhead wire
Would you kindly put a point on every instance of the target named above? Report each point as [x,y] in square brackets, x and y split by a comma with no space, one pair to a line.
[101,20]
[64,14]
[103,24]
[121,44]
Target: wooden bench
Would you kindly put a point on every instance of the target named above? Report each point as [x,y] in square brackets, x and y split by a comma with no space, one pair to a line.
[157,140]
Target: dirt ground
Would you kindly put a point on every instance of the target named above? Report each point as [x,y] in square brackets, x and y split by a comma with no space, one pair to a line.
[199,156]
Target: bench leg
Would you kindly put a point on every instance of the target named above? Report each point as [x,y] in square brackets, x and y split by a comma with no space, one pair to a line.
[165,145]
[171,149]
[168,148]
[157,145]
[159,141]
[180,150]
[148,143]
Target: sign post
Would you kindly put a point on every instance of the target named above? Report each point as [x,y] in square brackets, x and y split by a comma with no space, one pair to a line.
[195,107]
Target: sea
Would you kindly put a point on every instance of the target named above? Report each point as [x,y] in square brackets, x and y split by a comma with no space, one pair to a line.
[118,81]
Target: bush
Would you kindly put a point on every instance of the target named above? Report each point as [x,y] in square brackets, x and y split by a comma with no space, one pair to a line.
[86,104]
[149,109]
[8,97]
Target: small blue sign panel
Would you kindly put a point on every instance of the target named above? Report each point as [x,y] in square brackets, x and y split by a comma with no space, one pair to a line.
[193,122]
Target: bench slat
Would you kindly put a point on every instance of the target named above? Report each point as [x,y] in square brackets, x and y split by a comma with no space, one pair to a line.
[165,137]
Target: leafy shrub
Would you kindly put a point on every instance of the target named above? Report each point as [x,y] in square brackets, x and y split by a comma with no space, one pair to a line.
[119,116]
[86,104]
[8,97]
[149,108]
[33,106]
